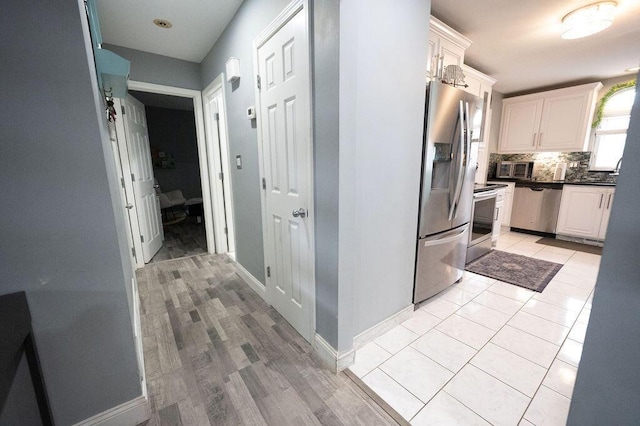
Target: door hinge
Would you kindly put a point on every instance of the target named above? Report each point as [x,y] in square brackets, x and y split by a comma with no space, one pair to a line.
[133,177]
[122,181]
[142,238]
[264,183]
[258,82]
[133,251]
[122,108]
[226,230]
[221,176]
[268,271]
[217,116]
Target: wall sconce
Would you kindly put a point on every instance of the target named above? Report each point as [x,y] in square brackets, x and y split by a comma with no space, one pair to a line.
[233,69]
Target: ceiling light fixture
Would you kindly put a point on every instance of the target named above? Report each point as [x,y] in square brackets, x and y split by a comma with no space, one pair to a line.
[163,23]
[588,20]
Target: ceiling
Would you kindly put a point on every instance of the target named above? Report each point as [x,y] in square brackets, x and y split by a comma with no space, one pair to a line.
[197,24]
[516,42]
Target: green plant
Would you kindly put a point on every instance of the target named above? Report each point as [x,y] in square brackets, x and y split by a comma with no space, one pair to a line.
[605,98]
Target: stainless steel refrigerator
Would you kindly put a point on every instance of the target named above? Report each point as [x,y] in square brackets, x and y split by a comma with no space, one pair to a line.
[453,126]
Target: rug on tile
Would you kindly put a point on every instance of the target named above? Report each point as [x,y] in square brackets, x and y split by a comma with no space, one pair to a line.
[570,245]
[516,269]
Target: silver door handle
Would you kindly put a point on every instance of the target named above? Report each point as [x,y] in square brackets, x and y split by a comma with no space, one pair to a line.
[129,206]
[299,213]
[156,186]
[601,198]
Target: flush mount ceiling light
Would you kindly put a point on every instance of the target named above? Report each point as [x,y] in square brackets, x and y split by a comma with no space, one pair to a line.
[163,23]
[588,20]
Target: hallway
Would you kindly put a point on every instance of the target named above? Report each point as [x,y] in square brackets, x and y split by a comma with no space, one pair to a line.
[216,353]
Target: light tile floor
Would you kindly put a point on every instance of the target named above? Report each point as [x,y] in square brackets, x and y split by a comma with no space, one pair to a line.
[487,352]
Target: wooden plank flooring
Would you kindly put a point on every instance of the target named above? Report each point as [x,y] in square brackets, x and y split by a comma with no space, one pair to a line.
[182,239]
[215,353]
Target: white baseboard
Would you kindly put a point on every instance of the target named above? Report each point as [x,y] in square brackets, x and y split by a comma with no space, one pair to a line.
[251,281]
[335,361]
[130,413]
[382,327]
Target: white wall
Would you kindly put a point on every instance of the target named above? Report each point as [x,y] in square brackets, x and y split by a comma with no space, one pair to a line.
[383,62]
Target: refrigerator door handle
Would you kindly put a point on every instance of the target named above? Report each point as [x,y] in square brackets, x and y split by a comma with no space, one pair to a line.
[445,240]
[460,170]
[463,154]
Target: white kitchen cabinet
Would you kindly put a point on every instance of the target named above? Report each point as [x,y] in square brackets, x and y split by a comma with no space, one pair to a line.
[584,211]
[505,219]
[480,85]
[445,43]
[556,120]
[498,216]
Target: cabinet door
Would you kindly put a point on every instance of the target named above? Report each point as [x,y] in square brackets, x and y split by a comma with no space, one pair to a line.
[432,50]
[581,211]
[606,213]
[563,125]
[520,124]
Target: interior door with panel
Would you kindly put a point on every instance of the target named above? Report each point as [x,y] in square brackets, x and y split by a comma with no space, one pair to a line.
[146,199]
[283,61]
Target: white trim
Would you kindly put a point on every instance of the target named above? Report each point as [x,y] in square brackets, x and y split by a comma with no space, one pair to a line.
[289,12]
[382,327]
[252,281]
[201,141]
[219,161]
[131,412]
[279,21]
[137,335]
[334,360]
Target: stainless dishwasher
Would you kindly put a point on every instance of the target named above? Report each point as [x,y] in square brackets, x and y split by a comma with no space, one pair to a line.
[536,207]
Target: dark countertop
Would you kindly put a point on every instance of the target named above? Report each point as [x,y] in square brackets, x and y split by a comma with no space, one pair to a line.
[486,187]
[552,184]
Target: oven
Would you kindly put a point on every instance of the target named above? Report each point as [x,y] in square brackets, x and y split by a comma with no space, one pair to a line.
[482,220]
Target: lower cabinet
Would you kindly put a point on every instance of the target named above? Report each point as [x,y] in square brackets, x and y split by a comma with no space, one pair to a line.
[498,215]
[585,211]
[505,219]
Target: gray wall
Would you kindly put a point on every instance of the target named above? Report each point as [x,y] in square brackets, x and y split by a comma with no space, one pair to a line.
[59,227]
[607,388]
[326,150]
[174,132]
[383,58]
[237,40]
[158,69]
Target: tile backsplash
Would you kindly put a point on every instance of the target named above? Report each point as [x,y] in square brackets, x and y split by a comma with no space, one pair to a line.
[545,166]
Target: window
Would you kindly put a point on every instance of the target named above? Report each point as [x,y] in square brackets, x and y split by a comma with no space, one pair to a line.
[611,132]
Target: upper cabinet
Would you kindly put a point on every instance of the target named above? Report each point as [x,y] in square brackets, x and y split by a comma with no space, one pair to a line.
[445,44]
[556,120]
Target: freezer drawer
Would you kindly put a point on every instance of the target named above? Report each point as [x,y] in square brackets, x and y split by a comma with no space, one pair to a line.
[440,262]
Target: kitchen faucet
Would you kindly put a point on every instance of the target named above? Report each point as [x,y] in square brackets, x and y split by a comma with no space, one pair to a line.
[616,171]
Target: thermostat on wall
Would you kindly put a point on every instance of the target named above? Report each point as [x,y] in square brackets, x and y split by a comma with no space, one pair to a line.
[251,113]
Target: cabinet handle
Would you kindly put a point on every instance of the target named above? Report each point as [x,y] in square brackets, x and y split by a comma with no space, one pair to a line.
[533,142]
[497,213]
[609,201]
[601,198]
[540,139]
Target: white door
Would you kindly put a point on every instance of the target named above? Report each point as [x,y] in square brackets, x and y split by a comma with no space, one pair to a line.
[218,157]
[146,200]
[286,149]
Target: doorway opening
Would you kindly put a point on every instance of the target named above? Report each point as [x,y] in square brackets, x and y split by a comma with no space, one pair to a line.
[174,158]
[181,164]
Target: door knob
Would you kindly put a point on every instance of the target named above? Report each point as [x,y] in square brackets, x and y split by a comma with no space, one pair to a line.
[129,206]
[299,213]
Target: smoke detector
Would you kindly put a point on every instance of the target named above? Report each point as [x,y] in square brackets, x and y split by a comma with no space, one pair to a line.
[163,23]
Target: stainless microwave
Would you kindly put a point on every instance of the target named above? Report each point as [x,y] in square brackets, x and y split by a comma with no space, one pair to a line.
[515,169]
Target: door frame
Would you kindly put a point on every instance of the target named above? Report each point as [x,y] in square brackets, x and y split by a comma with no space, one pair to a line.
[221,189]
[287,13]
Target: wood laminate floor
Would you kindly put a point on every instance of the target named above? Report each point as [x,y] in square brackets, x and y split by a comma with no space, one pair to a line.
[182,239]
[215,353]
